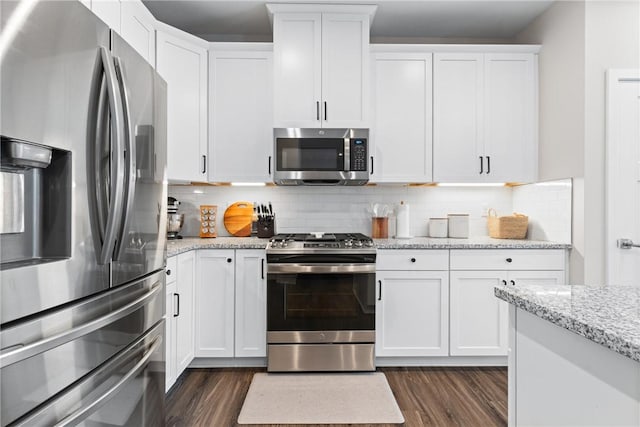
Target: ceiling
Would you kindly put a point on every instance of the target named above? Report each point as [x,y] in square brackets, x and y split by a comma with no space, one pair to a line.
[247,20]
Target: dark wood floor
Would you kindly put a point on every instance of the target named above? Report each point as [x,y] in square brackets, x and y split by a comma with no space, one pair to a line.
[427,396]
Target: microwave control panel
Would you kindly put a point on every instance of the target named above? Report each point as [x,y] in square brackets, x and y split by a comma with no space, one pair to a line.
[358,151]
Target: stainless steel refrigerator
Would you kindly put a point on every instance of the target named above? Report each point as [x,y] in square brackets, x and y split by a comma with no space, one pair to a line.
[83,224]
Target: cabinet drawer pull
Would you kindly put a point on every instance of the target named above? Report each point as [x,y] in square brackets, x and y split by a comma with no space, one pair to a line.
[371,165]
[204,164]
[325,111]
[379,290]
[488,165]
[481,165]
[269,165]
[513,283]
[229,260]
[509,260]
[262,268]
[504,282]
[413,260]
[168,272]
[176,312]
[318,110]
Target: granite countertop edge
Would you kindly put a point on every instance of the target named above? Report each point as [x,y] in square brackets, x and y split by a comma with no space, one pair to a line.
[176,247]
[596,334]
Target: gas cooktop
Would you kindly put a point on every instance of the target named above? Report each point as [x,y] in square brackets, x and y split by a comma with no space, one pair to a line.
[321,242]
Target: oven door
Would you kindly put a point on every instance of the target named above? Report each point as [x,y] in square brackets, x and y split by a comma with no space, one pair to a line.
[320,302]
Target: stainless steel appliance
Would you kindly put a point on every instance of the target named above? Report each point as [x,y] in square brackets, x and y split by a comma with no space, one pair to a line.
[83,251]
[321,156]
[174,219]
[320,302]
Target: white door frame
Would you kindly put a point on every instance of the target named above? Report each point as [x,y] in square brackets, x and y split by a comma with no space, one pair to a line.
[612,137]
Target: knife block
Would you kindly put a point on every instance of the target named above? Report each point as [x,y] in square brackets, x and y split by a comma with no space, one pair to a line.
[267,226]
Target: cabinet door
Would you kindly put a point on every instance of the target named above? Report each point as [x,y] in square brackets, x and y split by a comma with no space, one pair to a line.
[510,106]
[412,313]
[108,11]
[170,336]
[215,303]
[241,116]
[138,29]
[183,65]
[555,277]
[478,319]
[345,70]
[185,286]
[297,68]
[251,304]
[401,138]
[457,117]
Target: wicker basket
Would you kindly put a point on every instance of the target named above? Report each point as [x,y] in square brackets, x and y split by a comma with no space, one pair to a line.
[507,227]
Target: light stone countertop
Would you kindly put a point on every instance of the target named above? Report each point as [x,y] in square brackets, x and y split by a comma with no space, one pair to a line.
[606,315]
[175,247]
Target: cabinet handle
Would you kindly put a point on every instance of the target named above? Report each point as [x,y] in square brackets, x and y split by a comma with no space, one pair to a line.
[481,165]
[229,260]
[176,313]
[318,110]
[204,163]
[488,165]
[379,290]
[371,165]
[513,283]
[168,272]
[325,111]
[413,260]
[262,268]
[504,282]
[269,165]
[509,260]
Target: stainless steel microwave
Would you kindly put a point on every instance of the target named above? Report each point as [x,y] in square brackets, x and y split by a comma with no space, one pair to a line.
[321,156]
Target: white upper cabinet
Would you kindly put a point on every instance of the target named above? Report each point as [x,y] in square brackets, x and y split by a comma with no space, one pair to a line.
[138,29]
[321,66]
[484,117]
[108,11]
[401,133]
[240,113]
[182,63]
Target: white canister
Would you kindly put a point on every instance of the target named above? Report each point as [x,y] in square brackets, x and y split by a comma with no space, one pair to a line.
[458,226]
[438,227]
[402,221]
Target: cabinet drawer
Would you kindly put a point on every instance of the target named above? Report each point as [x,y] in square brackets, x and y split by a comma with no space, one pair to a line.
[508,259]
[172,269]
[413,259]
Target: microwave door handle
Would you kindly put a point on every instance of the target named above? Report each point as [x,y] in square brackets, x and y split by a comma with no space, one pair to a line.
[130,164]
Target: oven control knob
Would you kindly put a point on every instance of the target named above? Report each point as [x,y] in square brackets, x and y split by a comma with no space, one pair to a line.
[358,243]
[348,243]
[369,243]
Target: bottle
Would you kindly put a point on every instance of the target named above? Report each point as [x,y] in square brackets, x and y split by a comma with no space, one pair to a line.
[402,221]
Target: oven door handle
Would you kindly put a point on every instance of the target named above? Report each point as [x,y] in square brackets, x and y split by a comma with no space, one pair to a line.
[311,268]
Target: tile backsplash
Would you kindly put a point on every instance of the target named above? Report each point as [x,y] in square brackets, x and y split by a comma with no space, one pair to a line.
[305,209]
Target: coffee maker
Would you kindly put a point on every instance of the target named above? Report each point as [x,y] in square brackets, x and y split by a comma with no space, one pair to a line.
[174,219]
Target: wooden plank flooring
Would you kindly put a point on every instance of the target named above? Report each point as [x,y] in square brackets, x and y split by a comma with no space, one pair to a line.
[427,396]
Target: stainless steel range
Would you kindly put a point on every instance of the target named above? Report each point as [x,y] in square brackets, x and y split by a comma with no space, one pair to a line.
[321,302]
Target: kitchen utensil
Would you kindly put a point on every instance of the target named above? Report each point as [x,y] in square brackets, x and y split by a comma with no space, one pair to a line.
[438,227]
[174,225]
[458,226]
[208,221]
[380,227]
[237,219]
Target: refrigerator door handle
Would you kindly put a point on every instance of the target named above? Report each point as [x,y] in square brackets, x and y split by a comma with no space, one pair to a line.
[87,410]
[130,164]
[105,231]
[19,352]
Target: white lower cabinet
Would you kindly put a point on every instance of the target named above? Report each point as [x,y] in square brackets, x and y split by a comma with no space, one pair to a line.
[412,303]
[179,315]
[214,303]
[479,320]
[231,319]
[251,304]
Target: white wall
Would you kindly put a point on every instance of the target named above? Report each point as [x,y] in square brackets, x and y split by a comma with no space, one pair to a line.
[612,40]
[305,209]
[580,40]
